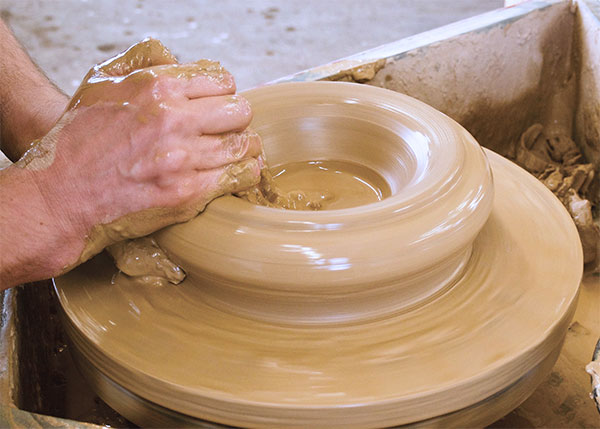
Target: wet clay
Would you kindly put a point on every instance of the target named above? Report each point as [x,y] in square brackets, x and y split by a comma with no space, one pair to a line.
[556,161]
[317,185]
[145,261]
[310,318]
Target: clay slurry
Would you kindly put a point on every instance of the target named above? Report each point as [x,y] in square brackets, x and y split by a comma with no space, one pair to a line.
[317,185]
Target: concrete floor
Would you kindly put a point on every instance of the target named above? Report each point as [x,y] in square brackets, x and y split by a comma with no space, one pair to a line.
[257,40]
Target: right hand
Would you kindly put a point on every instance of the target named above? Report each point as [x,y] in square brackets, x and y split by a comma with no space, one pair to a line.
[144,143]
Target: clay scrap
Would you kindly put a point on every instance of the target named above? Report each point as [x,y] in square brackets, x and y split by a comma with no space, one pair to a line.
[267,193]
[360,74]
[145,261]
[558,163]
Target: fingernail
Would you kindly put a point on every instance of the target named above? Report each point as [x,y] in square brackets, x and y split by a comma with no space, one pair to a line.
[239,144]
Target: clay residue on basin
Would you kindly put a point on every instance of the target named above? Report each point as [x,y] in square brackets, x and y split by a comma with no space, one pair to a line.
[540,83]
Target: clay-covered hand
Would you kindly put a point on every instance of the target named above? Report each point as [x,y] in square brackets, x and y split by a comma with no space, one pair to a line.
[144,143]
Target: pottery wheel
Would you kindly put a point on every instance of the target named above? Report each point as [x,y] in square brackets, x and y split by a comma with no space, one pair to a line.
[490,331]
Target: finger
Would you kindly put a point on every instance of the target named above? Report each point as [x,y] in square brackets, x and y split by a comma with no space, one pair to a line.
[147,53]
[198,153]
[201,187]
[217,115]
[203,78]
[213,151]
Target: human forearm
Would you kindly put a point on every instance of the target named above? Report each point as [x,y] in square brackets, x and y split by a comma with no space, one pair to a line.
[35,242]
[29,103]
[144,143]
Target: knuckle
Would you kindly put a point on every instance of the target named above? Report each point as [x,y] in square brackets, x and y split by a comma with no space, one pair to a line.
[184,190]
[161,81]
[136,171]
[168,121]
[170,161]
[162,86]
[177,189]
[175,121]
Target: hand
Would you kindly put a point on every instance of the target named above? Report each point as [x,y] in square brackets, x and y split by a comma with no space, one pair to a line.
[144,143]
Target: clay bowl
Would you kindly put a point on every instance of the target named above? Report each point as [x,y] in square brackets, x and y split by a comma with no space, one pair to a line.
[445,303]
[357,263]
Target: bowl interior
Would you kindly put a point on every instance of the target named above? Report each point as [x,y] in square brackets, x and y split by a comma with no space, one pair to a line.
[335,131]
